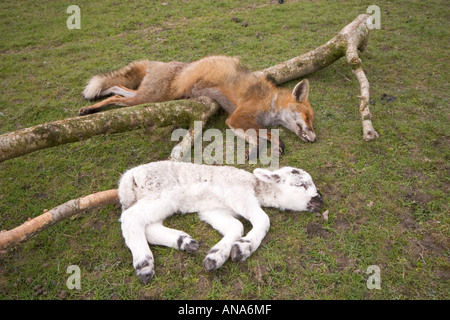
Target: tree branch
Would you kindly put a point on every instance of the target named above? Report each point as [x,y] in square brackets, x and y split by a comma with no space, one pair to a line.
[180,112]
[61,212]
[347,42]
[184,147]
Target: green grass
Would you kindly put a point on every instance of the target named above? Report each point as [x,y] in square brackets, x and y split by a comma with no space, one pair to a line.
[387,200]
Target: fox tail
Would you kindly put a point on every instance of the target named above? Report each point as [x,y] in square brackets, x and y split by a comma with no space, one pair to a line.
[129,76]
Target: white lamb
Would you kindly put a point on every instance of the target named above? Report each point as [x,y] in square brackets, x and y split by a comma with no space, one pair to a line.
[152,192]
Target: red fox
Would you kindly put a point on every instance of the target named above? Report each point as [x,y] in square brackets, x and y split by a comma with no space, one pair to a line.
[251,99]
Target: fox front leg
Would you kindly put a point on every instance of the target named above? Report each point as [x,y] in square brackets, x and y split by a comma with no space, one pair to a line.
[252,132]
[277,145]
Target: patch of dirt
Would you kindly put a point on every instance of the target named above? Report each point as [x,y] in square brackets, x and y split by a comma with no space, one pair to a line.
[94,224]
[316,230]
[41,195]
[350,222]
[419,198]
[443,273]
[434,245]
[332,192]
[342,225]
[203,285]
[408,222]
[441,142]
[261,274]
[412,173]
[344,262]
[154,294]
[430,245]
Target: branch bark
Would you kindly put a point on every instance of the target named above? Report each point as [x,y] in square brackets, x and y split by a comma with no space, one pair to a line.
[347,42]
[180,151]
[180,113]
[61,212]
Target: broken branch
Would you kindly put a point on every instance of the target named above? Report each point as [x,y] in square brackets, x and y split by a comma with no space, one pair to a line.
[347,42]
[185,145]
[61,212]
[180,113]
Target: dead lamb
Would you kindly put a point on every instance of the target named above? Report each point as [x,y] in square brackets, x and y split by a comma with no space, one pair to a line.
[220,194]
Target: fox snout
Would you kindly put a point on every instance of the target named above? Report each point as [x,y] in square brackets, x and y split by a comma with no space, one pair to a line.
[307,134]
[316,202]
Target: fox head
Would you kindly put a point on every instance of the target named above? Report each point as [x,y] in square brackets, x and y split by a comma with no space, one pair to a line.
[296,113]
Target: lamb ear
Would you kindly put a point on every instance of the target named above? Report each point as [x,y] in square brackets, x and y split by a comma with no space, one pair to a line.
[301,91]
[266,176]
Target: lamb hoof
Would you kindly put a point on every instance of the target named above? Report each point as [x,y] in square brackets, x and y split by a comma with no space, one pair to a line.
[191,247]
[241,250]
[146,277]
[187,244]
[236,253]
[209,264]
[144,270]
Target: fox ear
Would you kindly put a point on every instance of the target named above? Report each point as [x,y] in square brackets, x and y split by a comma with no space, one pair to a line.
[301,90]
[266,176]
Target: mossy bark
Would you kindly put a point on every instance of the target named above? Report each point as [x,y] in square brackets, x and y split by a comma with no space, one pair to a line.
[308,63]
[347,42]
[21,142]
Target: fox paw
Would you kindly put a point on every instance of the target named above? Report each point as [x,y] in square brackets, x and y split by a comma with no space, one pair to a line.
[84,111]
[252,153]
[278,149]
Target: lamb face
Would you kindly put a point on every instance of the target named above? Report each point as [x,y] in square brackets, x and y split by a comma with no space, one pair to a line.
[290,189]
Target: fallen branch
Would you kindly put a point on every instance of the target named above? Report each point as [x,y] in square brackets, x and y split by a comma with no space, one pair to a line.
[347,42]
[184,147]
[180,113]
[61,212]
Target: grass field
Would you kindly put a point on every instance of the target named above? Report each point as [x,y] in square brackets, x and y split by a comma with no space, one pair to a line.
[387,199]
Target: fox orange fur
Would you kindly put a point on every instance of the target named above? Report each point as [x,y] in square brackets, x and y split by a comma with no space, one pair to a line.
[251,99]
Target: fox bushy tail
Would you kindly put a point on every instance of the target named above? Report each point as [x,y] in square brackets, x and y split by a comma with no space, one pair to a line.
[129,76]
